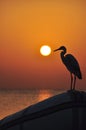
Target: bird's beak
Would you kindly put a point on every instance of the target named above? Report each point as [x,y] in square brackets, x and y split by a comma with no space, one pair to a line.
[56,50]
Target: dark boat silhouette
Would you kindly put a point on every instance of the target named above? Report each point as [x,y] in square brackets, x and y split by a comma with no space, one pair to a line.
[66,111]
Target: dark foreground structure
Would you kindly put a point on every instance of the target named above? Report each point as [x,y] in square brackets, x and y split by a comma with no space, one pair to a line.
[66,111]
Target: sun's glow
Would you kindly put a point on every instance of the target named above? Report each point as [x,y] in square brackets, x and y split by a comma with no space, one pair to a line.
[45,50]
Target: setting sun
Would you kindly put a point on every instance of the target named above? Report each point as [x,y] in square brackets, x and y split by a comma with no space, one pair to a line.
[45,50]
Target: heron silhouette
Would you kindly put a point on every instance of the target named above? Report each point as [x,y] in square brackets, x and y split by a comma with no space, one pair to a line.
[71,64]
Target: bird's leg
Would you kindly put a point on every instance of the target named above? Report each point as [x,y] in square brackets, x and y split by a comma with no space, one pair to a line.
[74,82]
[71,81]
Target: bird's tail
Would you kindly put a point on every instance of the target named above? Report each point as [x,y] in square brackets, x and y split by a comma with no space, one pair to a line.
[79,75]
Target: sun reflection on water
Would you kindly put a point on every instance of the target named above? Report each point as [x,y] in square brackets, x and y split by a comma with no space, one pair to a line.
[44,95]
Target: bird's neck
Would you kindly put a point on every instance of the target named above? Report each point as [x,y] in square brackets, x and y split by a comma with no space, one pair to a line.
[63,55]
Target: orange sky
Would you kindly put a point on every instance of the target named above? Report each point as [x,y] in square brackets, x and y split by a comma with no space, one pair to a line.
[25,25]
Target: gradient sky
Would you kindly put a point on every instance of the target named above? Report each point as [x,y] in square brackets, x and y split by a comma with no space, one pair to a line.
[25,26]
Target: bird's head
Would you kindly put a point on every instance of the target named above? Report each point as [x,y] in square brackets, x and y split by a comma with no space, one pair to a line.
[61,48]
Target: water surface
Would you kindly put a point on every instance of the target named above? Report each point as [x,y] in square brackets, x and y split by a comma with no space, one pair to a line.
[12,101]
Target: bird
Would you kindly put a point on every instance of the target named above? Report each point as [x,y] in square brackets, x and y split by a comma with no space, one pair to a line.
[71,64]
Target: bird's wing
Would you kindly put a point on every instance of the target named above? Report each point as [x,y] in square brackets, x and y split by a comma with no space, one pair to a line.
[71,63]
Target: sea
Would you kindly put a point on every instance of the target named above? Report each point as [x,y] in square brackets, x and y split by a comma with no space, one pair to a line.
[14,100]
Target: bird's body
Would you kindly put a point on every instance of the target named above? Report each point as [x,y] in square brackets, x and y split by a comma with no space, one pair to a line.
[71,64]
